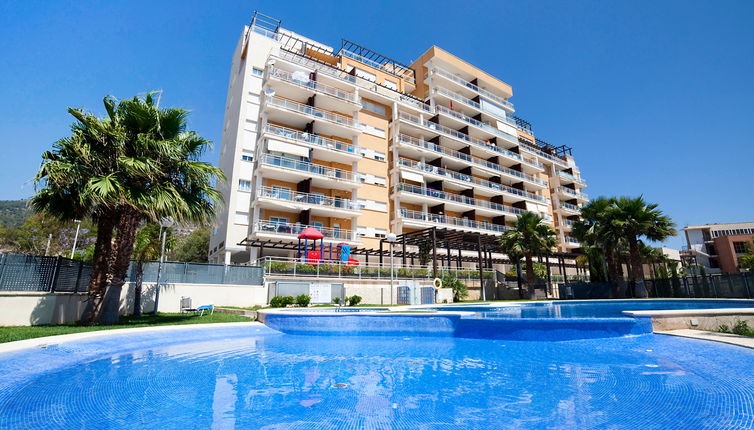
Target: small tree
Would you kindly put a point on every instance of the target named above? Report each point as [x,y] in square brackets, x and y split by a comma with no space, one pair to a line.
[303,300]
[194,247]
[747,260]
[460,290]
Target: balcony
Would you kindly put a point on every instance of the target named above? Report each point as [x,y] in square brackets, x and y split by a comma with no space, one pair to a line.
[338,123]
[459,202]
[477,162]
[362,83]
[569,208]
[287,169]
[567,224]
[485,127]
[464,83]
[422,219]
[571,178]
[573,193]
[275,229]
[303,86]
[324,148]
[479,144]
[543,154]
[294,201]
[571,242]
[465,180]
[476,106]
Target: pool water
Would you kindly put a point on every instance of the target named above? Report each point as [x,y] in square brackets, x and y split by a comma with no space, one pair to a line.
[593,309]
[255,377]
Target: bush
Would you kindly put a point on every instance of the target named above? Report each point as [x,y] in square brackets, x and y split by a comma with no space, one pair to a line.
[353,300]
[303,300]
[336,300]
[460,290]
[281,301]
[724,328]
[741,328]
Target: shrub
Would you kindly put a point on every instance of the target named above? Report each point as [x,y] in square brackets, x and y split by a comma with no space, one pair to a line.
[724,328]
[353,300]
[741,328]
[460,290]
[336,300]
[281,301]
[303,300]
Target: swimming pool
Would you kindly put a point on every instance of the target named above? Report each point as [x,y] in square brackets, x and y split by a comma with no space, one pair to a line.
[251,376]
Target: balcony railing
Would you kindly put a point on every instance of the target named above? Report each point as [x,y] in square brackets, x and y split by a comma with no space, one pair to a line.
[312,85]
[313,112]
[571,192]
[459,98]
[570,207]
[464,137]
[467,84]
[437,194]
[469,158]
[314,169]
[452,221]
[571,177]
[294,229]
[469,179]
[306,198]
[355,80]
[308,138]
[543,154]
[483,125]
[570,239]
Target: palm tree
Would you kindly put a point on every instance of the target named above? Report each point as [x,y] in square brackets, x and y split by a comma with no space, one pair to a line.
[529,237]
[595,230]
[635,218]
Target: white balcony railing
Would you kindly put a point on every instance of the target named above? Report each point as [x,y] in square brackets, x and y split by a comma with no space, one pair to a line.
[570,177]
[467,84]
[452,221]
[470,201]
[310,168]
[307,83]
[570,207]
[306,198]
[313,112]
[294,229]
[476,123]
[308,138]
[469,179]
[576,194]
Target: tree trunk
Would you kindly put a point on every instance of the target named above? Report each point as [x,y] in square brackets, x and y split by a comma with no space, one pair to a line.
[100,267]
[137,288]
[530,275]
[124,245]
[612,272]
[637,271]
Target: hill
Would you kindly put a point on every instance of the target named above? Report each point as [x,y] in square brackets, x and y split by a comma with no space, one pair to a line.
[13,212]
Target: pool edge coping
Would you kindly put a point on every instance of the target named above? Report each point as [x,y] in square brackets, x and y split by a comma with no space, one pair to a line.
[36,342]
[711,336]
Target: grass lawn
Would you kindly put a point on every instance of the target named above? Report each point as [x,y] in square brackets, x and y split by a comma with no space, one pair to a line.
[13,333]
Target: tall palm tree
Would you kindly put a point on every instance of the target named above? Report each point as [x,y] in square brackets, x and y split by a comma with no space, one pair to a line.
[595,230]
[528,238]
[634,218]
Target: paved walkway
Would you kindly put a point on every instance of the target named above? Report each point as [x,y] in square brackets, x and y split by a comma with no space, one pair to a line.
[733,339]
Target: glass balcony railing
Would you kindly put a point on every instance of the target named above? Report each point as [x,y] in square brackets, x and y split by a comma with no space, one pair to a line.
[469,179]
[306,198]
[479,124]
[294,229]
[310,168]
[313,112]
[308,138]
[467,84]
[543,154]
[570,177]
[452,221]
[570,239]
[574,193]
[312,85]
[468,158]
[570,207]
[461,99]
[429,192]
[464,137]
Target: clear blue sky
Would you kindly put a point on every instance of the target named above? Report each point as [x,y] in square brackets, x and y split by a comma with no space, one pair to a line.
[655,97]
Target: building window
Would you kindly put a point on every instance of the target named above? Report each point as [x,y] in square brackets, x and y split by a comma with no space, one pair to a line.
[390,84]
[257,72]
[247,158]
[278,220]
[739,247]
[318,225]
[244,185]
[373,107]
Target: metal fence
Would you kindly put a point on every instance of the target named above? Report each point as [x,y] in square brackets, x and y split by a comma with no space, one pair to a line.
[20,272]
[728,286]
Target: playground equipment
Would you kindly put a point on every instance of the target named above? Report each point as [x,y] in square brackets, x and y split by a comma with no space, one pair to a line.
[315,257]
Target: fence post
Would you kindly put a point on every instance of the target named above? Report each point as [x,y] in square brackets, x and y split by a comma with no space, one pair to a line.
[3,257]
[54,274]
[686,285]
[730,284]
[746,284]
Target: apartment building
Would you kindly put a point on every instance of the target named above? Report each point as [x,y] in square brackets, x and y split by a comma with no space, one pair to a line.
[718,247]
[358,145]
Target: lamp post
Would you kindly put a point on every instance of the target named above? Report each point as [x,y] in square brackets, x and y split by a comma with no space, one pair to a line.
[165,224]
[75,238]
[391,237]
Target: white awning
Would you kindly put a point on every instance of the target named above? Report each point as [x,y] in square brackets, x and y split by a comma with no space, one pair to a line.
[287,148]
[411,176]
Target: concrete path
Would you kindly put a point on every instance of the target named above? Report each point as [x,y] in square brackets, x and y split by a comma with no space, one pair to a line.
[733,339]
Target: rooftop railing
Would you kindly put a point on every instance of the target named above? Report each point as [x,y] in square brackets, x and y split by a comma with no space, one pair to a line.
[306,198]
[452,221]
[469,179]
[309,138]
[469,158]
[312,85]
[312,111]
[465,83]
[437,194]
[314,169]
[294,229]
[543,154]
